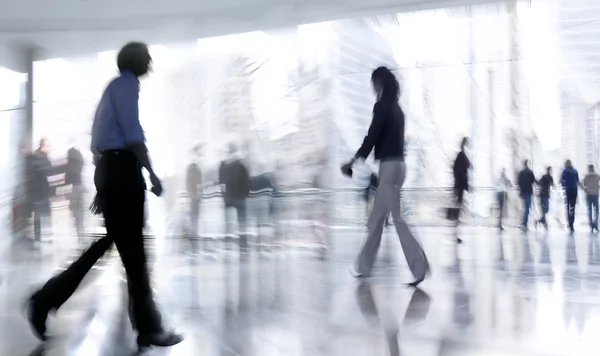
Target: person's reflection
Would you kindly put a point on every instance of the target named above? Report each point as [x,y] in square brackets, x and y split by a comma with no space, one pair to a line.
[462,303]
[416,311]
[594,252]
[501,259]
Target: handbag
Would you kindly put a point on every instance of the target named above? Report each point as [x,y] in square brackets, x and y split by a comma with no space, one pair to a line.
[452,213]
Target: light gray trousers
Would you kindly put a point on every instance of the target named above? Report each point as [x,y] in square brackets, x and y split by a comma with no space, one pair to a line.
[387,199]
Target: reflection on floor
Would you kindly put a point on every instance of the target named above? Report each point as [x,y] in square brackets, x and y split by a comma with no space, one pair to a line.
[509,294]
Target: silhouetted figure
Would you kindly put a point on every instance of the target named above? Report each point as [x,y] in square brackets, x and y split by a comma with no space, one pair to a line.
[193,183]
[386,135]
[525,181]
[40,187]
[502,185]
[545,183]
[591,185]
[120,153]
[73,177]
[235,181]
[460,170]
[570,183]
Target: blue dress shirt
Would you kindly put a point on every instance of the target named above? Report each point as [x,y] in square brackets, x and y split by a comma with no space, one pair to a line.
[117,122]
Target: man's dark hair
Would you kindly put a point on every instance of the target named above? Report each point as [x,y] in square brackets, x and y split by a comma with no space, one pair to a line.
[135,58]
[548,169]
[591,167]
[526,163]
[464,143]
[388,81]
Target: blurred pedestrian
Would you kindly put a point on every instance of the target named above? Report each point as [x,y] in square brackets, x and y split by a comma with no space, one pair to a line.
[460,170]
[526,180]
[386,135]
[570,182]
[591,185]
[545,183]
[502,185]
[120,153]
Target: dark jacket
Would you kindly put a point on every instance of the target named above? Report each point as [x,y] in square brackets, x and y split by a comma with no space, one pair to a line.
[570,178]
[386,132]
[74,167]
[460,170]
[42,169]
[236,179]
[526,180]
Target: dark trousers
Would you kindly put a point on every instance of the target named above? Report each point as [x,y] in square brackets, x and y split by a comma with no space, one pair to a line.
[592,205]
[41,209]
[240,206]
[526,208]
[545,205]
[501,197]
[118,179]
[570,202]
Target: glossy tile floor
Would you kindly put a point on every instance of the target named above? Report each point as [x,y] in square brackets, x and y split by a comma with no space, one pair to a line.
[496,294]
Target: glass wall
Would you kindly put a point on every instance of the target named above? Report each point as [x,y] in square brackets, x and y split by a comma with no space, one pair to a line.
[298,100]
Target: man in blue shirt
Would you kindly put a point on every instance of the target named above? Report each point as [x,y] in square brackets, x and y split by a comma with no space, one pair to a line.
[120,153]
[570,182]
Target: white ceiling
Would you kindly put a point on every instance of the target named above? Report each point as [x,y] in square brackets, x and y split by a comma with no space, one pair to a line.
[63,27]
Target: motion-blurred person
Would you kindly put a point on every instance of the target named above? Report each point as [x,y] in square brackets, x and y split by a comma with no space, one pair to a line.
[41,190]
[235,183]
[502,185]
[193,183]
[569,180]
[526,180]
[591,185]
[460,170]
[545,183]
[120,153]
[73,177]
[386,135]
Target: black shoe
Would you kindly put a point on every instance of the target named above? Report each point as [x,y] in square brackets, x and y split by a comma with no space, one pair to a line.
[416,283]
[37,316]
[163,339]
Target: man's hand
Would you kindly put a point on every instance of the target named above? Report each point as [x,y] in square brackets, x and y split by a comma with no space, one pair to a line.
[157,188]
[347,169]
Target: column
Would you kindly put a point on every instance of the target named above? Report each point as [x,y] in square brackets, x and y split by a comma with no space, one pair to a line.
[28,57]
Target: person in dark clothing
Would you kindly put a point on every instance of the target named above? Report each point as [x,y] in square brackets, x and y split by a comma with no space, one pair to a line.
[235,181]
[460,170]
[502,185]
[526,180]
[120,153]
[41,190]
[386,135]
[73,177]
[545,183]
[569,180]
[193,182]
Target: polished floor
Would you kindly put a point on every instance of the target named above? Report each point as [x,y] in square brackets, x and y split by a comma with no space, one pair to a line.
[496,294]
